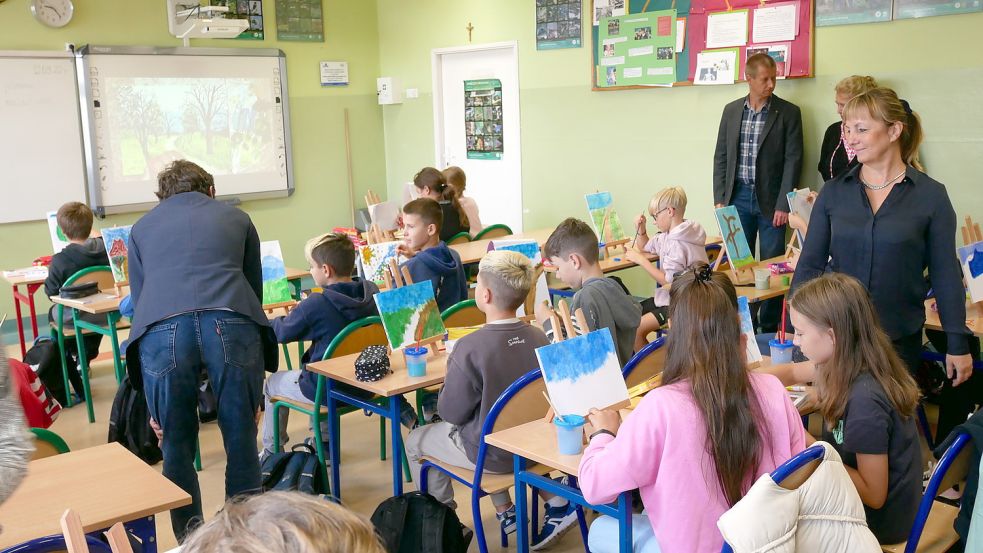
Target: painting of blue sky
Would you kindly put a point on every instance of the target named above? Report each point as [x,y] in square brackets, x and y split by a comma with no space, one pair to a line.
[583,373]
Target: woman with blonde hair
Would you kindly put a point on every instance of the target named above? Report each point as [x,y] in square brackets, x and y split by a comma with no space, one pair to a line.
[836,156]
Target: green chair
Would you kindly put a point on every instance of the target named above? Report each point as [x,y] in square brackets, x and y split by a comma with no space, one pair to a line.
[47,444]
[459,238]
[493,231]
[463,313]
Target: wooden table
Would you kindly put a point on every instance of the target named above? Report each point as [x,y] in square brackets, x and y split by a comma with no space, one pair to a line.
[342,369]
[105,484]
[472,252]
[775,289]
[974,317]
[32,278]
[295,278]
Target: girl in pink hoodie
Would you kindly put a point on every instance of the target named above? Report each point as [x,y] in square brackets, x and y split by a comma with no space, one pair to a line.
[695,445]
[679,244]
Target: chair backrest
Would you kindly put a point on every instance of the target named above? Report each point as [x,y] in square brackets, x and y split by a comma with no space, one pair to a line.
[493,231]
[645,364]
[47,444]
[356,337]
[459,238]
[463,313]
[951,470]
[521,402]
[529,306]
[100,274]
[794,472]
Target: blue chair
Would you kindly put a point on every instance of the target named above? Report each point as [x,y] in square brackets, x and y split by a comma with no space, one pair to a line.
[520,403]
[51,544]
[645,364]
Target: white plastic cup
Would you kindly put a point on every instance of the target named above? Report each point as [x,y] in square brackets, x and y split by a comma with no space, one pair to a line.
[762,279]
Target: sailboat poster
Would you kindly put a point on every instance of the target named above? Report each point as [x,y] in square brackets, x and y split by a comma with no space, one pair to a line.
[583,373]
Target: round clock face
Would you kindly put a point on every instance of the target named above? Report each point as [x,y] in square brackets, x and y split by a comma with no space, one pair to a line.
[53,13]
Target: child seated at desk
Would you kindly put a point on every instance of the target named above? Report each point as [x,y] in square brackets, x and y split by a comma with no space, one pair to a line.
[480,367]
[695,445]
[430,183]
[429,257]
[459,181]
[679,244]
[573,250]
[75,222]
[318,318]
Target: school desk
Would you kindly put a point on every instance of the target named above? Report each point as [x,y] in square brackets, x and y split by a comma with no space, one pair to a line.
[295,277]
[393,386]
[775,289]
[472,252]
[32,278]
[974,317]
[104,484]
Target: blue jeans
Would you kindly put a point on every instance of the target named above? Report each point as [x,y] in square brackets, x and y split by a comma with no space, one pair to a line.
[772,244]
[173,353]
[603,535]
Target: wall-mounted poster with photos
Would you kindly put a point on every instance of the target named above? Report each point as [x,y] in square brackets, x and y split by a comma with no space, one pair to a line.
[558,24]
[483,118]
[251,11]
[299,20]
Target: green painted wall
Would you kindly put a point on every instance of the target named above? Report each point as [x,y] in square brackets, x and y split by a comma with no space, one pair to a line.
[634,142]
[316,115]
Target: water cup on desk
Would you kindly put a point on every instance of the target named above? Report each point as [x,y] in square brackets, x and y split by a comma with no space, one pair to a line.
[762,279]
[569,434]
[781,352]
[416,361]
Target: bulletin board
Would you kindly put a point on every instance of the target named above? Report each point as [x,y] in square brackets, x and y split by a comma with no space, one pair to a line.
[620,57]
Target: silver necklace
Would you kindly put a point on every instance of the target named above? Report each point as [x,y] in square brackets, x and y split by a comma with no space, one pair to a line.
[886,183]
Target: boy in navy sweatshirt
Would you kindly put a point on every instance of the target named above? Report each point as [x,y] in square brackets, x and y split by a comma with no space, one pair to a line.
[429,258]
[318,318]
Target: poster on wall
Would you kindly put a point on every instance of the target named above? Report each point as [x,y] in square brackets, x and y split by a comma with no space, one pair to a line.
[299,20]
[483,118]
[637,49]
[908,9]
[848,12]
[558,24]
[250,10]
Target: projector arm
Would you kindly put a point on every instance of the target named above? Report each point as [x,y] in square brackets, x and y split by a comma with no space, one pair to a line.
[191,20]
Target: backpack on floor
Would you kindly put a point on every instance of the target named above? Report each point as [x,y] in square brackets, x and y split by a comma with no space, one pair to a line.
[43,358]
[417,522]
[129,423]
[295,470]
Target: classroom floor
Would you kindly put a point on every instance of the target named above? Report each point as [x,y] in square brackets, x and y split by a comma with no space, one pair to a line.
[366,481]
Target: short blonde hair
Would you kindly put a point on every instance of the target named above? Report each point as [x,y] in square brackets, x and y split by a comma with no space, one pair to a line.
[284,522]
[333,249]
[883,104]
[673,196]
[855,84]
[508,275]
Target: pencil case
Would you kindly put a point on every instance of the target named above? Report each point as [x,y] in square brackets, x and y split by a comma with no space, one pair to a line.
[79,290]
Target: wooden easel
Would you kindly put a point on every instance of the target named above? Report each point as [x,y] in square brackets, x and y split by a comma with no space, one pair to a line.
[285,305]
[744,275]
[397,277]
[971,232]
[71,528]
[375,235]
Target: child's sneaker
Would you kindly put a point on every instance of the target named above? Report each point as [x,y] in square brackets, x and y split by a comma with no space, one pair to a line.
[556,523]
[507,520]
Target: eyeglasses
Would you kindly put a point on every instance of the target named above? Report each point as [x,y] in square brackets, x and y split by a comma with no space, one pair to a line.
[655,216]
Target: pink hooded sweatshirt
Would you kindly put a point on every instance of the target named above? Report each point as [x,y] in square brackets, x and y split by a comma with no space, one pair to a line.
[677,249]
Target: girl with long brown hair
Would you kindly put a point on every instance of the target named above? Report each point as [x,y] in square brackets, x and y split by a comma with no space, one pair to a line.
[693,446]
[432,184]
[865,395]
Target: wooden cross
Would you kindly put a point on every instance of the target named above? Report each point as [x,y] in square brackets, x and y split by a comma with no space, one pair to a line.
[469,28]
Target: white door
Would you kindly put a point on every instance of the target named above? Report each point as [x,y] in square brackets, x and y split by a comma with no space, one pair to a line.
[495,184]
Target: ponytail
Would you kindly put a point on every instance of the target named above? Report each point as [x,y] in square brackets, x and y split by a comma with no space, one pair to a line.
[911,137]
[431,178]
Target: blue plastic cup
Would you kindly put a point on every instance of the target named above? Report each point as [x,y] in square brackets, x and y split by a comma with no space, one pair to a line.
[569,434]
[781,352]
[416,361]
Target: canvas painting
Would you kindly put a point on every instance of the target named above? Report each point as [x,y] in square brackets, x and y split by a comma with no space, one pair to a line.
[385,215]
[116,240]
[735,242]
[528,248]
[605,219]
[276,289]
[409,314]
[747,328]
[373,260]
[58,238]
[583,373]
[971,258]
[800,204]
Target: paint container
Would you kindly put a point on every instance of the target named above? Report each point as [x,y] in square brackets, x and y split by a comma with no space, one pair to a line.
[569,434]
[416,361]
[762,279]
[786,280]
[781,352]
[602,252]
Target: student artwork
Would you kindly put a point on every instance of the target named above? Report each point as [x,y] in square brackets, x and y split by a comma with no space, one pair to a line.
[276,289]
[735,242]
[116,240]
[747,328]
[606,222]
[971,258]
[800,204]
[384,215]
[528,248]
[410,315]
[58,239]
[373,260]
[583,373]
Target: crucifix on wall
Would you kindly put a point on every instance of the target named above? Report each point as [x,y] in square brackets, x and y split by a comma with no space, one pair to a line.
[469,28]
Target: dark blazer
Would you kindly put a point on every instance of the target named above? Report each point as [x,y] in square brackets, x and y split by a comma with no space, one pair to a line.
[779,163]
[193,253]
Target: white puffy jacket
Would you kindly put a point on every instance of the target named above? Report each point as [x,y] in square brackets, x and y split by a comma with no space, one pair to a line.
[824,514]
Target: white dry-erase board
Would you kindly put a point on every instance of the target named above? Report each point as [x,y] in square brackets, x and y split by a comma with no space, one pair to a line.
[222,108]
[41,159]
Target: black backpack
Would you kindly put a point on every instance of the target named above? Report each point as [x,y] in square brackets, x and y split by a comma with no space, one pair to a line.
[416,522]
[43,358]
[296,470]
[129,423]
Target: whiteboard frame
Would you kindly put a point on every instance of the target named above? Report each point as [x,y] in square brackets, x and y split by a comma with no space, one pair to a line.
[89,133]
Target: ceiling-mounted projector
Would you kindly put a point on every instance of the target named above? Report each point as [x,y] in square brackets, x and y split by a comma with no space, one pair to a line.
[193,20]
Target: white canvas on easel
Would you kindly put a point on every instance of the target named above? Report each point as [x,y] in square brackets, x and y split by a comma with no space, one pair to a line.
[583,373]
[384,215]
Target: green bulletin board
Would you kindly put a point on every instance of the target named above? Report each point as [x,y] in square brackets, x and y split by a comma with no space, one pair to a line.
[637,49]
[299,20]
[483,118]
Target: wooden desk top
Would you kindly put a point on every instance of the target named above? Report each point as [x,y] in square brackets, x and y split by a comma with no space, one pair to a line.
[97,304]
[536,441]
[296,274]
[27,275]
[399,382]
[776,288]
[974,317]
[105,484]
[472,252]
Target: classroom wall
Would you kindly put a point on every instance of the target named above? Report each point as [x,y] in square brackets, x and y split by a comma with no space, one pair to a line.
[634,142]
[316,115]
